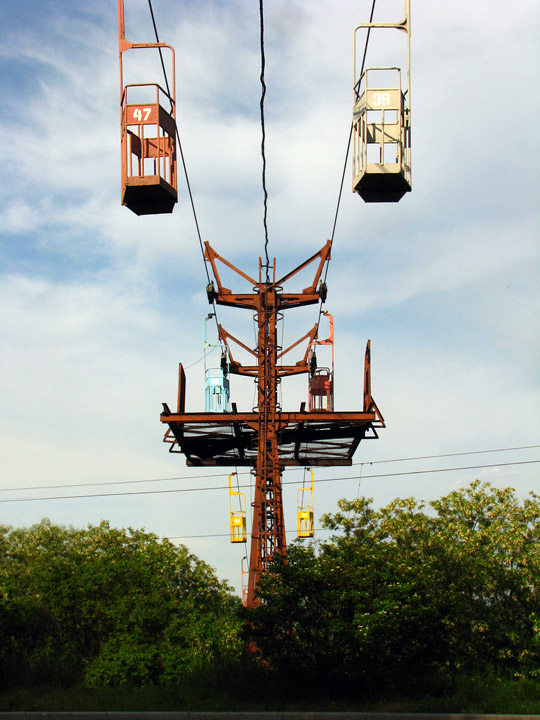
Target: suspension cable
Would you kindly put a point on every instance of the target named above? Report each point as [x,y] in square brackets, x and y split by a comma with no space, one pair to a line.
[345,167]
[263,141]
[160,53]
[351,131]
[184,166]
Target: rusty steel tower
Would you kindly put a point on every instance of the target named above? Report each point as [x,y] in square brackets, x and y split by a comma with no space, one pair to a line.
[268,439]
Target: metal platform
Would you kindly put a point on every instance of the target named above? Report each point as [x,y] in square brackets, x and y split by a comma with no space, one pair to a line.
[304,438]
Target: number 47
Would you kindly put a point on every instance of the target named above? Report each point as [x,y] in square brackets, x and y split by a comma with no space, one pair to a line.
[138,114]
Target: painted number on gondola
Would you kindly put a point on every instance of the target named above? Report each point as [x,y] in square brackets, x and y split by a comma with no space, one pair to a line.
[381,99]
[141,114]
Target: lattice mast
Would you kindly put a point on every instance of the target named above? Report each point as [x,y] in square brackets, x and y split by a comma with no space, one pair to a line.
[268,301]
[268,529]
[268,439]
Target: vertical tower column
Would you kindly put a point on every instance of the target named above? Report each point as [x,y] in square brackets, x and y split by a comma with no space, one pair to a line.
[268,301]
[268,529]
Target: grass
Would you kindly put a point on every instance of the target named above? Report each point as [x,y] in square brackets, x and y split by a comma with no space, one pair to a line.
[475,696]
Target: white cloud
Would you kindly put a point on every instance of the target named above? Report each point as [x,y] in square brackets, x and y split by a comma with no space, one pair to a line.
[98,305]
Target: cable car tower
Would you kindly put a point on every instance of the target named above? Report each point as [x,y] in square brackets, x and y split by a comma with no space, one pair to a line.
[266,438]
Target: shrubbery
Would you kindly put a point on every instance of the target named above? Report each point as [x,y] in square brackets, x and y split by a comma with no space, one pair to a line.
[408,599]
[106,606]
[409,596]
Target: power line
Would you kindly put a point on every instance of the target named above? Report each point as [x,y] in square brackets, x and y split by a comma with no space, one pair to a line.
[295,469]
[291,482]
[455,454]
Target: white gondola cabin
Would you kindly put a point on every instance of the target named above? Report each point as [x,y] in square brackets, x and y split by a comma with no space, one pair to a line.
[381,125]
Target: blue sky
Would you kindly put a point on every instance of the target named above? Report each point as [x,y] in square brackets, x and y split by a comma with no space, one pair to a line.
[98,305]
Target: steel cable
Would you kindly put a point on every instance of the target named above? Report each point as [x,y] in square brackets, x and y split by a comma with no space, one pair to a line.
[263,140]
[345,167]
[184,166]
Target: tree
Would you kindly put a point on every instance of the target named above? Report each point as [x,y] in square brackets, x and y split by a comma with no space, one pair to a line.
[110,606]
[409,593]
[489,548]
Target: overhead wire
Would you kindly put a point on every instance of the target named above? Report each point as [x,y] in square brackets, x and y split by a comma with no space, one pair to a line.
[290,482]
[360,480]
[184,165]
[299,469]
[338,205]
[201,358]
[444,455]
[160,53]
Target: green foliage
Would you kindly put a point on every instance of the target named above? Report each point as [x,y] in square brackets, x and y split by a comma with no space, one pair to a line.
[109,606]
[409,595]
[435,600]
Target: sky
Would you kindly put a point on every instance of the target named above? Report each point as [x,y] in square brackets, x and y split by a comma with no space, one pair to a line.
[98,305]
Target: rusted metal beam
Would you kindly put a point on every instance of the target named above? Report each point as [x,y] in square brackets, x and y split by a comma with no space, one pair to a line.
[282,417]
